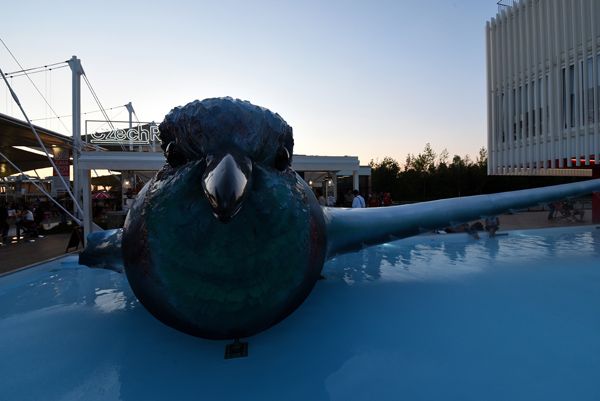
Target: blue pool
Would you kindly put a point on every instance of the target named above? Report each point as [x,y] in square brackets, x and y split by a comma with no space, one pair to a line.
[434,317]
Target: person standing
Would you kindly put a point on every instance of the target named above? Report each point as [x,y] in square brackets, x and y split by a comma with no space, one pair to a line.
[13,218]
[552,208]
[28,222]
[3,224]
[387,199]
[358,201]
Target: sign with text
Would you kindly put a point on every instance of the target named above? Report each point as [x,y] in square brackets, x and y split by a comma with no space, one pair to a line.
[120,133]
[61,159]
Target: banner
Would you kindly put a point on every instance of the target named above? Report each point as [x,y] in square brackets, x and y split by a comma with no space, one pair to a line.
[61,159]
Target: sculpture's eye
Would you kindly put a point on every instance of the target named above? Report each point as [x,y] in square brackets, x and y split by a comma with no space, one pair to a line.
[174,156]
[282,158]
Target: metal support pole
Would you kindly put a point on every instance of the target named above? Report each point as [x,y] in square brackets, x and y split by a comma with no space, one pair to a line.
[84,175]
[76,72]
[129,108]
[335,185]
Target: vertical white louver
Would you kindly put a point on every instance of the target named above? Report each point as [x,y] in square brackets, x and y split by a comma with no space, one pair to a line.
[543,83]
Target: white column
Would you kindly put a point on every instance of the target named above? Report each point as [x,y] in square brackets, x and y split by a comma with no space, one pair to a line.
[585,145]
[547,59]
[556,93]
[530,73]
[491,116]
[522,77]
[499,85]
[511,90]
[76,71]
[334,179]
[87,202]
[129,108]
[355,181]
[505,89]
[514,77]
[543,36]
[536,43]
[575,142]
[596,143]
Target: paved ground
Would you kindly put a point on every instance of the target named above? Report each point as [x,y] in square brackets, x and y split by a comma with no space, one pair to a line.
[23,253]
[539,219]
[17,254]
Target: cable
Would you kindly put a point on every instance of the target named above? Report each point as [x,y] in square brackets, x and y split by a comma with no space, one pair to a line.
[41,143]
[69,115]
[41,188]
[101,127]
[93,92]
[36,68]
[34,85]
[24,72]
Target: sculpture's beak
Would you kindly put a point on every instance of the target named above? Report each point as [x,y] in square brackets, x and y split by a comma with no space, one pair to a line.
[225,183]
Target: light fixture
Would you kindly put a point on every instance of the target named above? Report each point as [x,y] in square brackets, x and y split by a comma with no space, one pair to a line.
[32,150]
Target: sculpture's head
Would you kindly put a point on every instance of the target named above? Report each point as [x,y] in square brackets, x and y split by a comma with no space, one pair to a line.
[228,136]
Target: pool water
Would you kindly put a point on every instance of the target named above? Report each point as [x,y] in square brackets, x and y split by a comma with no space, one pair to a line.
[433,317]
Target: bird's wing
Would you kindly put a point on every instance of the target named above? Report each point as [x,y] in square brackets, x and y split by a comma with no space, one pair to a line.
[103,250]
[351,229]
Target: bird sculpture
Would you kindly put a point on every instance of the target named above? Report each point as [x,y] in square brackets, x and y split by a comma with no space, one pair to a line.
[227,240]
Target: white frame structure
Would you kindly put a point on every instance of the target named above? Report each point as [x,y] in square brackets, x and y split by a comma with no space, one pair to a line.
[543,82]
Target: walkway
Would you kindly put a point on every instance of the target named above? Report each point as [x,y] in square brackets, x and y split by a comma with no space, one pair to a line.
[24,253]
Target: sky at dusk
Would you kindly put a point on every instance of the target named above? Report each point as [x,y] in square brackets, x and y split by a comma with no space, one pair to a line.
[369,79]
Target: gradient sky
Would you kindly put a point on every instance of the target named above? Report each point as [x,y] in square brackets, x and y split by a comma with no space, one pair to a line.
[370,78]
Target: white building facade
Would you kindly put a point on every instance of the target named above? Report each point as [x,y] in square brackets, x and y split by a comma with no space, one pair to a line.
[543,88]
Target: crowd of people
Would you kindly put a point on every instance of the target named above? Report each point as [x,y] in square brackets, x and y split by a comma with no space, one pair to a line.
[353,198]
[25,218]
[491,225]
[565,210]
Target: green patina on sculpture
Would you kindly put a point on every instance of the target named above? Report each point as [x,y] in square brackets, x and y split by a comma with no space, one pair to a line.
[243,273]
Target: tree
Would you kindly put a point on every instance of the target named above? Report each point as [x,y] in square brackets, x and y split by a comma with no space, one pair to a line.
[443,157]
[482,158]
[423,179]
[384,176]
[408,162]
[425,161]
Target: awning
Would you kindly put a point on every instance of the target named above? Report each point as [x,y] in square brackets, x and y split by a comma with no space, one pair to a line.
[14,132]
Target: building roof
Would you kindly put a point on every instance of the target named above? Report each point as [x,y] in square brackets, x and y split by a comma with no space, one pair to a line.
[15,132]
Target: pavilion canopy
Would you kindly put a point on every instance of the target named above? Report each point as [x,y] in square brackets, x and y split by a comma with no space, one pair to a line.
[14,132]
